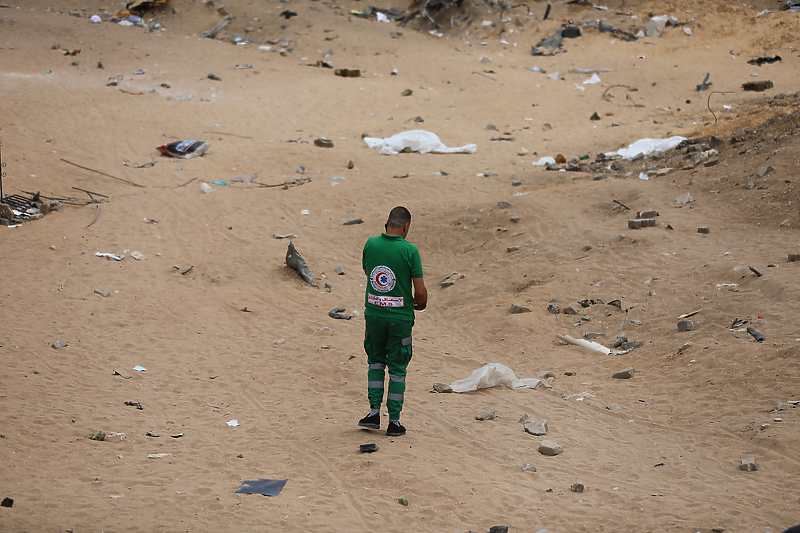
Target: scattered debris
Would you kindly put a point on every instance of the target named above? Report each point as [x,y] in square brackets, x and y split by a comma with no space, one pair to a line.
[335,313]
[184,149]
[137,405]
[762,60]
[451,279]
[756,335]
[492,375]
[748,464]
[486,414]
[295,260]
[758,86]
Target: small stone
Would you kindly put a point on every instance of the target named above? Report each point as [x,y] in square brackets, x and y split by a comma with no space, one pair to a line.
[623,374]
[703,230]
[486,414]
[548,447]
[322,330]
[6,212]
[339,270]
[544,374]
[587,247]
[685,325]
[553,308]
[498,529]
[528,468]
[442,388]
[503,203]
[368,448]
[59,344]
[571,309]
[589,335]
[512,249]
[685,198]
[577,487]
[613,406]
[538,427]
[517,309]
[516,183]
[793,258]
[525,419]
[636,322]
[101,292]
[763,171]
[514,219]
[279,342]
[749,183]
[748,464]
[322,142]
[619,340]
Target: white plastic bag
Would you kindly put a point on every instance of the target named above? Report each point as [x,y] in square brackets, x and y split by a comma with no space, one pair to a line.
[544,162]
[492,375]
[418,141]
[647,147]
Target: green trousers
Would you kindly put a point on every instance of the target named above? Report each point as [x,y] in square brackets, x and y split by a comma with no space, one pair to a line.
[387,342]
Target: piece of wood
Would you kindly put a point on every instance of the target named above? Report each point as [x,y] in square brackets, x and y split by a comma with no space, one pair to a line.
[129,182]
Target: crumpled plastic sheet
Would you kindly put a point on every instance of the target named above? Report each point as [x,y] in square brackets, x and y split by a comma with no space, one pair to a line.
[296,261]
[267,487]
[418,141]
[492,375]
[548,46]
[544,162]
[647,147]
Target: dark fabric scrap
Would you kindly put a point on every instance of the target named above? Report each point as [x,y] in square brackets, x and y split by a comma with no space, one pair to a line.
[296,261]
[266,487]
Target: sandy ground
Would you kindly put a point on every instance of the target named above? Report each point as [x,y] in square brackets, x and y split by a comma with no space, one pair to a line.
[669,460]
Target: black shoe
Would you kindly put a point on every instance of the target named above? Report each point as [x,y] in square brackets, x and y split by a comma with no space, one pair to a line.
[371,422]
[395,430]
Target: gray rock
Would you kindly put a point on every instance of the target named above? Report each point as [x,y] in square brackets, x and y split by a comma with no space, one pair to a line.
[763,171]
[486,414]
[503,203]
[685,198]
[59,344]
[554,308]
[516,183]
[685,325]
[577,487]
[587,247]
[613,406]
[749,183]
[511,249]
[631,345]
[322,330]
[623,374]
[703,230]
[55,205]
[525,419]
[442,387]
[339,270]
[6,212]
[515,218]
[636,322]
[539,427]
[619,341]
[517,309]
[548,447]
[617,165]
[589,335]
[572,309]
[544,374]
[528,468]
[748,464]
[102,293]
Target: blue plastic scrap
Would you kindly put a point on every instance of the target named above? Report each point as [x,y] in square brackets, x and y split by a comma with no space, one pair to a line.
[267,487]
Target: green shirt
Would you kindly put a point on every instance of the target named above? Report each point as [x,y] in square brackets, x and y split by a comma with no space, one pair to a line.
[390,262]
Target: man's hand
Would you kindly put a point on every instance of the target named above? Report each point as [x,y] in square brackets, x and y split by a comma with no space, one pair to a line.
[420,294]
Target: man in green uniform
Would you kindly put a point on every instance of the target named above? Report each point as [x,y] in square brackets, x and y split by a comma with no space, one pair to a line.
[392,265]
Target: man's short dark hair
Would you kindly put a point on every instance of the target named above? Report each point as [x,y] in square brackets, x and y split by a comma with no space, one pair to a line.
[399,217]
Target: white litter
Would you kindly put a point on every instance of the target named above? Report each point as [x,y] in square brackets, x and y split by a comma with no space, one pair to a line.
[233,423]
[95,19]
[544,161]
[593,80]
[381,17]
[417,141]
[139,256]
[111,257]
[647,147]
[492,375]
